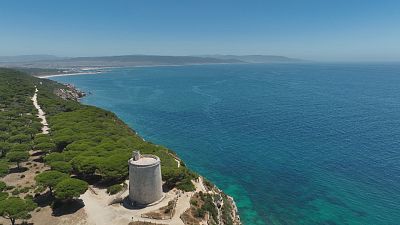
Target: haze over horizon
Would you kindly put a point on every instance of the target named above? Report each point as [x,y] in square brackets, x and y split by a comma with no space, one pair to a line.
[313,30]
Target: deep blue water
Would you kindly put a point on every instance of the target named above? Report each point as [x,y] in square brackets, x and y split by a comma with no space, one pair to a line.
[293,144]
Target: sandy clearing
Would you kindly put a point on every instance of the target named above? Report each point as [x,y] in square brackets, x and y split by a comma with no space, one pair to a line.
[100,213]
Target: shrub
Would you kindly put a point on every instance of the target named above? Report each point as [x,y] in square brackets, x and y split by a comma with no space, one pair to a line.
[193,202]
[10,187]
[3,195]
[3,169]
[200,213]
[2,186]
[15,191]
[39,189]
[186,185]
[24,190]
[114,189]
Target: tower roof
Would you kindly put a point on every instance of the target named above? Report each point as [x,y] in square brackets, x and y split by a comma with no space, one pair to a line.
[143,160]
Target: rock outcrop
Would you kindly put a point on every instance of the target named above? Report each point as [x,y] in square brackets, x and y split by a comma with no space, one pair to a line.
[70,93]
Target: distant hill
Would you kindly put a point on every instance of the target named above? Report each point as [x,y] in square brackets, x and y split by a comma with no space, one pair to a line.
[258,58]
[108,61]
[152,59]
[27,58]
[76,63]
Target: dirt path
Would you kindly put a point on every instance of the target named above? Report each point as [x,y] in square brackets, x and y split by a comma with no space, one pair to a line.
[179,162]
[41,114]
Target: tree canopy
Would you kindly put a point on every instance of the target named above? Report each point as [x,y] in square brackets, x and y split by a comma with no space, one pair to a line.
[21,147]
[45,146]
[14,208]
[60,166]
[17,157]
[70,188]
[19,138]
[50,178]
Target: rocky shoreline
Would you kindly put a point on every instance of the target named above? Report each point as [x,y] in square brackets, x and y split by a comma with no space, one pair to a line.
[70,93]
[211,206]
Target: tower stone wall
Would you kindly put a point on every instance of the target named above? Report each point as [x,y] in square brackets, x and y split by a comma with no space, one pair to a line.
[145,183]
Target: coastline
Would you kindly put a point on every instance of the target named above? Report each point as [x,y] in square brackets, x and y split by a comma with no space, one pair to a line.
[99,70]
[224,200]
[67,74]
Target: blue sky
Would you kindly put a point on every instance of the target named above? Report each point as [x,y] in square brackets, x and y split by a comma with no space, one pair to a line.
[310,29]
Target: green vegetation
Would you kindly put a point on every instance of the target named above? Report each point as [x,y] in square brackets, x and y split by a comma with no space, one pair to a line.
[14,208]
[19,138]
[17,157]
[209,205]
[61,166]
[84,141]
[114,189]
[70,188]
[94,142]
[50,179]
[3,168]
[226,211]
[202,203]
[17,121]
[3,196]
[2,186]
[40,71]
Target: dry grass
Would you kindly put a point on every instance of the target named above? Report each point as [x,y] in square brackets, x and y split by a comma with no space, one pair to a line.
[24,179]
[163,213]
[189,219]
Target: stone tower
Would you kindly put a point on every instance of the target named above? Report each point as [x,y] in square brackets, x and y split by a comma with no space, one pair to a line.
[145,184]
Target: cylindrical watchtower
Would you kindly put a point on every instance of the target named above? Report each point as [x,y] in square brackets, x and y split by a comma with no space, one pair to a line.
[145,184]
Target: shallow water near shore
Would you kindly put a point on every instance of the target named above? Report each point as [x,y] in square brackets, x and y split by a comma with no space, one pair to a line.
[292,143]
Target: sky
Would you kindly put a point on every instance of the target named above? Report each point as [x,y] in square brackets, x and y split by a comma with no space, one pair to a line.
[336,30]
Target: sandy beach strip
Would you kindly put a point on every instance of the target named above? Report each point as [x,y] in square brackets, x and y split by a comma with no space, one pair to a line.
[68,74]
[86,71]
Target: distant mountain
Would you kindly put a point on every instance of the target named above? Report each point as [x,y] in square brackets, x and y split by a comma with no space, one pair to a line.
[258,58]
[28,58]
[152,59]
[54,62]
[110,61]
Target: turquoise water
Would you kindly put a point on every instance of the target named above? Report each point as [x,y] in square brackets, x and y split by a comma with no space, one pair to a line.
[293,144]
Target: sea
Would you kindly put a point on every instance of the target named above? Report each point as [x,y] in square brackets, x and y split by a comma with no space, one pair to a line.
[292,143]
